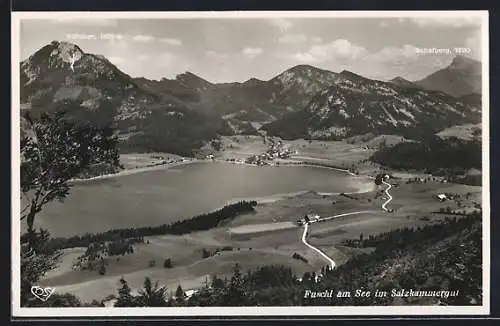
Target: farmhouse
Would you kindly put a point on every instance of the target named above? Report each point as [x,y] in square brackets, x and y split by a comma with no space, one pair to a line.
[441,197]
[313,217]
[308,218]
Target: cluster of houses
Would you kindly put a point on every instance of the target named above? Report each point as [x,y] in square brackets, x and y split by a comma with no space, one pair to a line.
[317,277]
[274,152]
[277,151]
[85,261]
[424,180]
[309,218]
[443,197]
[259,160]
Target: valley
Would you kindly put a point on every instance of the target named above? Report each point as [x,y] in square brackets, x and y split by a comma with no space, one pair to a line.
[277,172]
[270,233]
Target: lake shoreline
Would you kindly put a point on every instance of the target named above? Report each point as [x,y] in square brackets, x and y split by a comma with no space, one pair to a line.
[126,172]
[351,185]
[261,199]
[159,167]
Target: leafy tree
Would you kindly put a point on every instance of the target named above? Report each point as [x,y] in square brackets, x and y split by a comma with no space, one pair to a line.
[236,293]
[179,294]
[378,179]
[35,261]
[168,263]
[432,154]
[56,150]
[59,300]
[94,303]
[125,298]
[217,283]
[102,268]
[152,295]
[205,253]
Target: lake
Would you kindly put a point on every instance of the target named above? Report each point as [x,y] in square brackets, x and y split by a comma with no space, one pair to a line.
[164,196]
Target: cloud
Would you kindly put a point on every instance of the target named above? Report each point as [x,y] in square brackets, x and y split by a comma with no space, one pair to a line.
[174,63]
[405,61]
[450,22]
[252,52]
[143,57]
[293,38]
[317,39]
[392,54]
[474,43]
[170,41]
[304,57]
[216,55]
[143,38]
[338,49]
[165,59]
[282,24]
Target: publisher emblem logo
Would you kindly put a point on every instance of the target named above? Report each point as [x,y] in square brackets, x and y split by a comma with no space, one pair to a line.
[42,293]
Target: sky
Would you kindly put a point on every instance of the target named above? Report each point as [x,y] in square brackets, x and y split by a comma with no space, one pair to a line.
[234,50]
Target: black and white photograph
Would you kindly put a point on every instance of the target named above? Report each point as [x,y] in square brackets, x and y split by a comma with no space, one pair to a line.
[250,163]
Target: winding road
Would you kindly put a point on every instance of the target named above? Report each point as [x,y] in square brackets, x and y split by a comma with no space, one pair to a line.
[389,186]
[330,261]
[304,235]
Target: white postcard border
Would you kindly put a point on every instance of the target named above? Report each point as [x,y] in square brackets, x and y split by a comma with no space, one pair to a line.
[325,311]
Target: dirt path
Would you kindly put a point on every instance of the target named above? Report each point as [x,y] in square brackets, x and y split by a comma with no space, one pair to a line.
[306,225]
[389,186]
[304,241]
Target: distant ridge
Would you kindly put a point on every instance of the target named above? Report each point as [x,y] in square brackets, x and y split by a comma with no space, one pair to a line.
[402,82]
[461,77]
[300,102]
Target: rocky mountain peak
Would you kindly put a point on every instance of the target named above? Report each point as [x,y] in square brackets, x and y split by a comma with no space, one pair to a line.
[399,79]
[192,80]
[350,75]
[253,81]
[461,77]
[402,82]
[57,54]
[461,62]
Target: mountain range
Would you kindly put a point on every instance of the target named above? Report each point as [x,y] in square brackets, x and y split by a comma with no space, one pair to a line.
[179,115]
[60,76]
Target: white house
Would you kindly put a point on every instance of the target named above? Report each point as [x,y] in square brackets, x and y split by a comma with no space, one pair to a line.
[313,217]
[189,293]
[441,197]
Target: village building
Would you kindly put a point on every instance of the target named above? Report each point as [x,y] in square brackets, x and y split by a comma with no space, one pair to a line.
[307,219]
[313,217]
[441,197]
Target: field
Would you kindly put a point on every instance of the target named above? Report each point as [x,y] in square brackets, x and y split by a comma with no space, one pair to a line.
[142,160]
[466,132]
[267,236]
